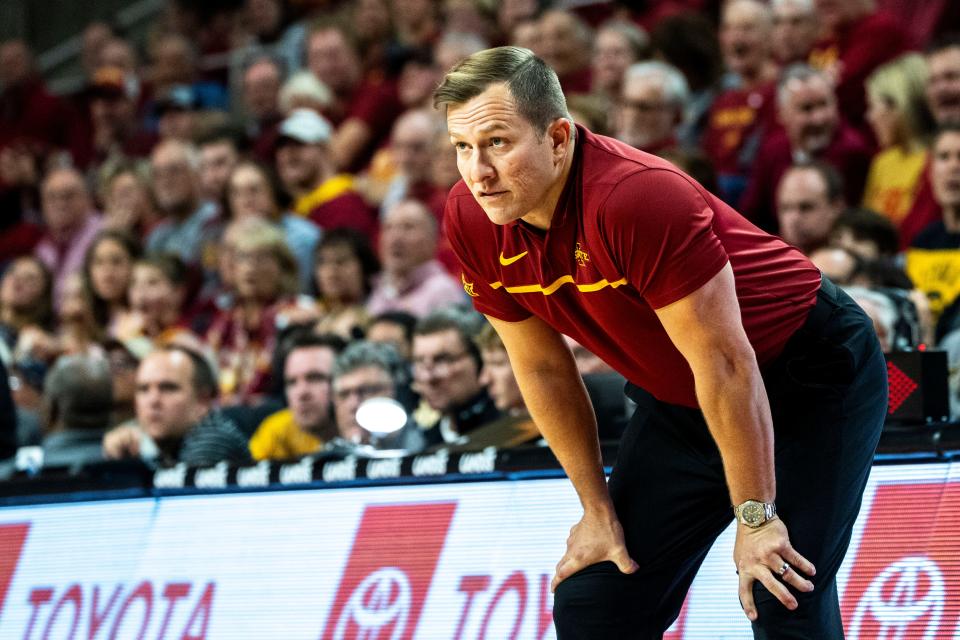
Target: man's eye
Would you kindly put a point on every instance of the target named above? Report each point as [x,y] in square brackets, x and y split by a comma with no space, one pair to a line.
[496,142]
[460,146]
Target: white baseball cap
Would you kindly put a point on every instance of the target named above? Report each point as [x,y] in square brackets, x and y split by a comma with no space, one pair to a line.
[306,126]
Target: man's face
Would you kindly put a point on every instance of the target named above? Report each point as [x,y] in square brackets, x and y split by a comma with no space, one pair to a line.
[560,44]
[794,31]
[116,113]
[391,333]
[65,200]
[444,373]
[744,37]
[943,85]
[299,165]
[407,238]
[507,166]
[306,377]
[261,88]
[809,114]
[945,169]
[410,145]
[166,402]
[331,59]
[612,54]
[804,210]
[351,389]
[217,160]
[644,116]
[174,180]
[497,376]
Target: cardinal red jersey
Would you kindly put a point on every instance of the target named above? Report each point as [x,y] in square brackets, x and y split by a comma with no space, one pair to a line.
[631,233]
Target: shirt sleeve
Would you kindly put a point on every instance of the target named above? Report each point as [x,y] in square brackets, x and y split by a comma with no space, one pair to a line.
[487,300]
[660,230]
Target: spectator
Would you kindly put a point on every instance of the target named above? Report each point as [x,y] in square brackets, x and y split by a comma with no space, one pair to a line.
[373,28]
[107,273]
[307,424]
[618,45]
[943,100]
[157,294]
[510,13]
[528,34]
[364,106]
[945,174]
[651,106]
[455,46]
[809,200]
[416,23]
[363,371]
[744,109]
[410,146]
[128,203]
[497,375]
[303,91]
[413,280]
[344,272]
[243,335]
[189,221]
[71,224]
[858,40]
[880,309]
[566,43]
[307,172]
[901,127]
[446,374]
[219,154]
[837,263]
[174,61]
[75,410]
[25,298]
[176,418]
[394,328]
[795,28]
[263,78]
[866,233]
[812,130]
[123,358]
[265,24]
[115,129]
[178,114]
[254,193]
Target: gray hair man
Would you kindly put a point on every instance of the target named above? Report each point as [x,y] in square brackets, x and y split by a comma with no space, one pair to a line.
[651,106]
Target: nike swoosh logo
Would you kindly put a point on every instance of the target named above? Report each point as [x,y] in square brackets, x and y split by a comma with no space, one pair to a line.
[508,261]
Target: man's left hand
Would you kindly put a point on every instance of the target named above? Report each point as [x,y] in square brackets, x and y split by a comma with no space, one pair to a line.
[765,554]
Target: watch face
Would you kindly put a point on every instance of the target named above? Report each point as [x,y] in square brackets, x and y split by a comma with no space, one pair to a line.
[753,513]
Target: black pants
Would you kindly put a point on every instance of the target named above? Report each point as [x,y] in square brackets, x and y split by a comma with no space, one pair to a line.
[828,397]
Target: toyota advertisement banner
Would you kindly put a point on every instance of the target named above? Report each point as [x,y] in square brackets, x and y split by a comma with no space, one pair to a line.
[467,561]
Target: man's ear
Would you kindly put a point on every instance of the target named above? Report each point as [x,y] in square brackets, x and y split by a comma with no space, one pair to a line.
[561,136]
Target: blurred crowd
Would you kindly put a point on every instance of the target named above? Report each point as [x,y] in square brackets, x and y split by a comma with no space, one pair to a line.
[233,235]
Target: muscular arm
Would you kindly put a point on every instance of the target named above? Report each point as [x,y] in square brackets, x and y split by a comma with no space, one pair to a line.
[706,328]
[558,402]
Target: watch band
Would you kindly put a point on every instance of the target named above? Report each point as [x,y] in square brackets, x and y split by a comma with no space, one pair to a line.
[754,513]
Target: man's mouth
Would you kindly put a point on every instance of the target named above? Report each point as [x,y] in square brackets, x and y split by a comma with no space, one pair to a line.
[491,194]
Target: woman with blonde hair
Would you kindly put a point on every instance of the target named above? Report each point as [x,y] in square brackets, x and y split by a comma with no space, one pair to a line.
[901,123]
[243,334]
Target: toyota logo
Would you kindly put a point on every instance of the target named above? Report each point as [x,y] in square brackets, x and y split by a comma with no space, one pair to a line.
[906,592]
[378,603]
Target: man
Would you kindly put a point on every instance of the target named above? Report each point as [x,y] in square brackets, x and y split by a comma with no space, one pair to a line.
[413,280]
[262,80]
[651,106]
[394,328]
[189,220]
[410,147]
[562,231]
[618,45]
[307,422]
[565,43]
[497,375]
[363,371]
[809,201]
[219,155]
[446,374]
[794,30]
[364,107]
[857,40]
[307,171]
[176,419]
[744,110]
[812,130]
[71,225]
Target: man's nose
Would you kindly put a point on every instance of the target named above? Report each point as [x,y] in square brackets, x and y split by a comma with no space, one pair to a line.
[480,169]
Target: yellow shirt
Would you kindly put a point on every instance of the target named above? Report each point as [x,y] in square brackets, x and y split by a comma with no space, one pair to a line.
[331,188]
[893,182]
[280,438]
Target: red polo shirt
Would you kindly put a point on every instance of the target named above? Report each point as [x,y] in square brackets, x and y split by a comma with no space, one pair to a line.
[631,234]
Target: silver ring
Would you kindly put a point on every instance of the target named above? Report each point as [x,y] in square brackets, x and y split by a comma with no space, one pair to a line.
[784,568]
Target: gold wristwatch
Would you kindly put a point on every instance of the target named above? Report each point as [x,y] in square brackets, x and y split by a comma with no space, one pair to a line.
[754,514]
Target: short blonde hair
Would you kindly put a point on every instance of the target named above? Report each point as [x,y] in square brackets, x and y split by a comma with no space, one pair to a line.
[256,234]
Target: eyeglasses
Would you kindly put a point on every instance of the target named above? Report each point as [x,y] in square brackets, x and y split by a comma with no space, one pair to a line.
[362,392]
[440,362]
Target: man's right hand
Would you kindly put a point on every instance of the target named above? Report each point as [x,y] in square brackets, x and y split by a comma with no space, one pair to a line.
[596,538]
[122,443]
